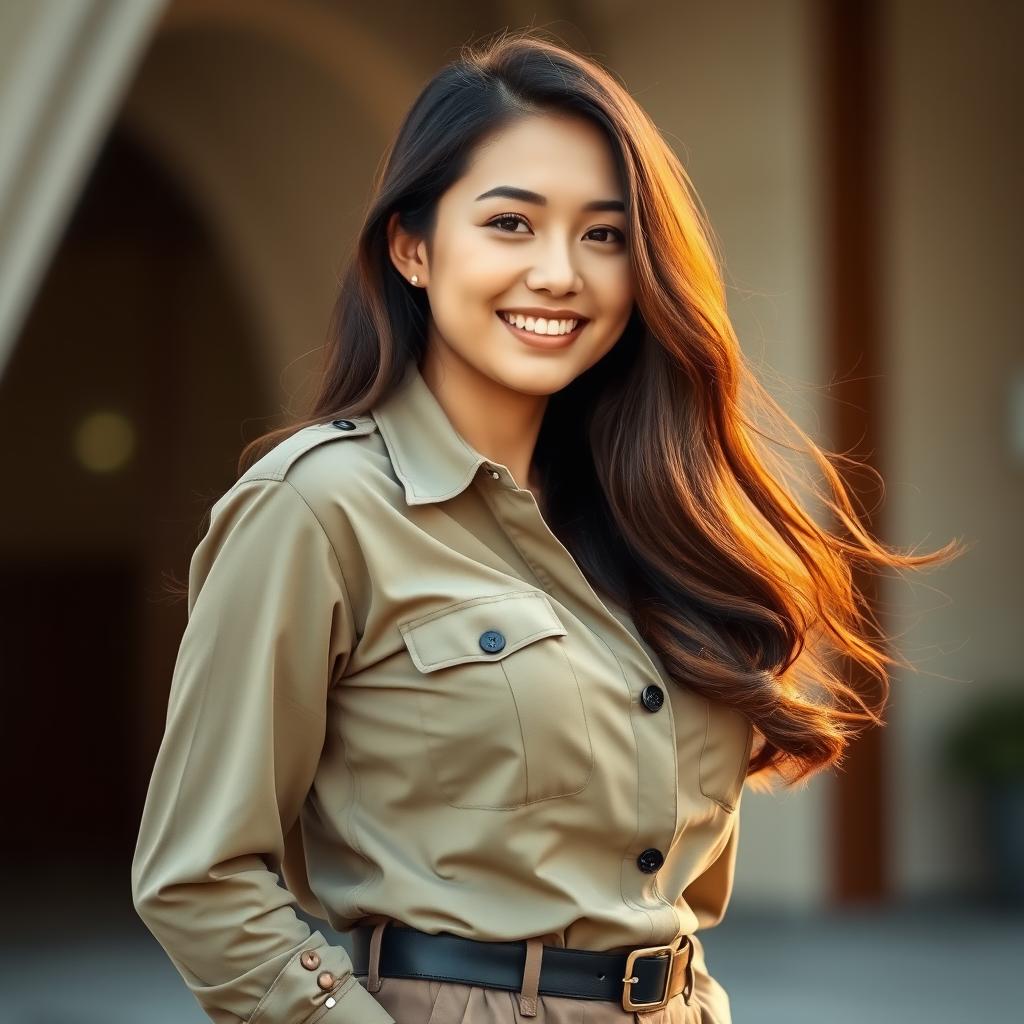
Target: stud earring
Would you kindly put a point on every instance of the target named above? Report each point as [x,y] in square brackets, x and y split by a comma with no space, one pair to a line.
[414,279]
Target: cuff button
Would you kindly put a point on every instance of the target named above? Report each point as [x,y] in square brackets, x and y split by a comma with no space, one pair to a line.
[310,959]
[325,981]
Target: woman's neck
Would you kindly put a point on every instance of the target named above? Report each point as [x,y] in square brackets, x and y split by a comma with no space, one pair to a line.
[500,423]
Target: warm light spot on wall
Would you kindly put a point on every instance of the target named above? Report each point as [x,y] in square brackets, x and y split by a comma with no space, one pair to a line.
[104,442]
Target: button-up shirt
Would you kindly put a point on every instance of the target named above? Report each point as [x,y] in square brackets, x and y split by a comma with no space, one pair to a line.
[397,688]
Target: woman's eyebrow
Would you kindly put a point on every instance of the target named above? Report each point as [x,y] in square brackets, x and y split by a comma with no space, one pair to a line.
[526,196]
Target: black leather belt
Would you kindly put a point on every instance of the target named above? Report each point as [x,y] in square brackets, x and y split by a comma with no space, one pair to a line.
[643,979]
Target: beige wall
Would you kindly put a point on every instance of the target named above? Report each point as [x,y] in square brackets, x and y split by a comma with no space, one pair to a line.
[952,256]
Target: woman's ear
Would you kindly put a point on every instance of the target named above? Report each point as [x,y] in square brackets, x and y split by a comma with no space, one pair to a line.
[408,252]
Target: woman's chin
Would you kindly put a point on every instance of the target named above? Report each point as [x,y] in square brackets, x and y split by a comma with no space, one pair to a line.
[531,377]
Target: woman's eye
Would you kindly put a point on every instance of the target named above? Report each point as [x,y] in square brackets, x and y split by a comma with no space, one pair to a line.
[617,235]
[514,218]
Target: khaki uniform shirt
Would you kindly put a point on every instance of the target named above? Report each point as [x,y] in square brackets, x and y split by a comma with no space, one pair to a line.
[396,686]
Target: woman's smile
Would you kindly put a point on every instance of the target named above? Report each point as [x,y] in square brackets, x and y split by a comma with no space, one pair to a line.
[545,341]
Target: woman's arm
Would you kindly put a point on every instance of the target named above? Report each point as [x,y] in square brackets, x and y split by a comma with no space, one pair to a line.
[269,626]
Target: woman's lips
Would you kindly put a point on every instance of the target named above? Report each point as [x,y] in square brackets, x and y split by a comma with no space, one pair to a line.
[535,340]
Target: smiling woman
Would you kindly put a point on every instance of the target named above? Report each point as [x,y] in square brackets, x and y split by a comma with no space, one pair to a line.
[478,652]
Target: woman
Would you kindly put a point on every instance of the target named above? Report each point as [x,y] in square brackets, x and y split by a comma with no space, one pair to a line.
[477,653]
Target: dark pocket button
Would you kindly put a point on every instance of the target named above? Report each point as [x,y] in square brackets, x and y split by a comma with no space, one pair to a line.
[492,641]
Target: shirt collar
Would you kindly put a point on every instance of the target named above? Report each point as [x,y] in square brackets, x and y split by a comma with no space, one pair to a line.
[430,458]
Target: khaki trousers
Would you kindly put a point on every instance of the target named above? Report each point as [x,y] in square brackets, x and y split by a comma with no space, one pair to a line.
[426,1001]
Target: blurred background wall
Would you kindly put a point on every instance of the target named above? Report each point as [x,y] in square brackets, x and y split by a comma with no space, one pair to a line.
[180,184]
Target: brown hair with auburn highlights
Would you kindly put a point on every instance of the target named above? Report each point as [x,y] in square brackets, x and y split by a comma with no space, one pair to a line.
[656,475]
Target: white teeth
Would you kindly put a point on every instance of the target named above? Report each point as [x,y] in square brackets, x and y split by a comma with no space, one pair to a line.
[539,325]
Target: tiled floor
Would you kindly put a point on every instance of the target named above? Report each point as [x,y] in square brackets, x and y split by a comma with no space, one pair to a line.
[940,965]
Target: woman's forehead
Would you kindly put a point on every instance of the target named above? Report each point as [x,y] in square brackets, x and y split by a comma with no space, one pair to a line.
[547,160]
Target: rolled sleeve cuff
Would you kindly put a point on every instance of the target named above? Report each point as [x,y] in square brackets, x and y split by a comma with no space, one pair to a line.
[298,997]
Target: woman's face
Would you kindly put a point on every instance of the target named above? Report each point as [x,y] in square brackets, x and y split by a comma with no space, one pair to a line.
[535,225]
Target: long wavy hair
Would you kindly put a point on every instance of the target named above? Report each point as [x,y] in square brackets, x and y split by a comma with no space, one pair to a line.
[657,480]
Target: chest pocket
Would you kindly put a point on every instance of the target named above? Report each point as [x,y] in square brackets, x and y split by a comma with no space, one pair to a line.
[502,710]
[728,740]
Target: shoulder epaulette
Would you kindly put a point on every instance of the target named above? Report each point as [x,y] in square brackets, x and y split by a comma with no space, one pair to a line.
[276,463]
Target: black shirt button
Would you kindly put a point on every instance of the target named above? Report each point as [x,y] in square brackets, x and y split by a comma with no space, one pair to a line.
[344,424]
[650,860]
[653,697]
[492,641]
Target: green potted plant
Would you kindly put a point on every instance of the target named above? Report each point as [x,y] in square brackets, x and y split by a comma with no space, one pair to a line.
[986,749]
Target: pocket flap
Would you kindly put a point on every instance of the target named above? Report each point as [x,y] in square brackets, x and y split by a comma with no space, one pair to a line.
[452,635]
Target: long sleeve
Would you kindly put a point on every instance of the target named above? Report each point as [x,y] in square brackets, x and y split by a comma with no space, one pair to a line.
[708,896]
[269,627]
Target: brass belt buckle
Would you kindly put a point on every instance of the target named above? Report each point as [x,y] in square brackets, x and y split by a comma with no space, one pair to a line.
[630,979]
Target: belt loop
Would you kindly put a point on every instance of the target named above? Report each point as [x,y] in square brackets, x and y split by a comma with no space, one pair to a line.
[373,981]
[531,976]
[687,989]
